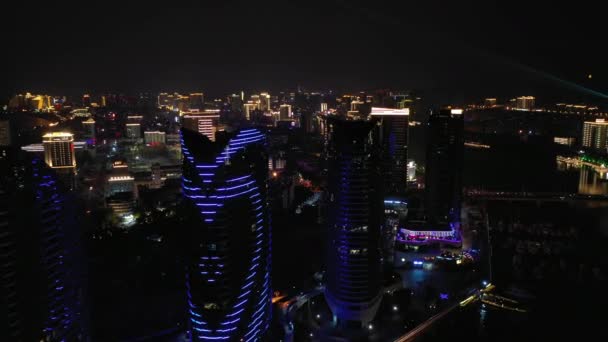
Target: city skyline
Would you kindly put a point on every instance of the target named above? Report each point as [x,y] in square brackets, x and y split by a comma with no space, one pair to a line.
[388,187]
[303,171]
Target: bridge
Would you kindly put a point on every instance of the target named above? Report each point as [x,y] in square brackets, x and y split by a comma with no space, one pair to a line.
[578,162]
[423,327]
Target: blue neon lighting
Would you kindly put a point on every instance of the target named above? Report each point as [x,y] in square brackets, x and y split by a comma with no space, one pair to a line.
[209,192]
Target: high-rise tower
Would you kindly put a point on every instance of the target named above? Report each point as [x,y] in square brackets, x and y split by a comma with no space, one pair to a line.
[354,275]
[197,101]
[392,136]
[89,129]
[444,163]
[59,150]
[228,284]
[595,134]
[41,260]
[205,122]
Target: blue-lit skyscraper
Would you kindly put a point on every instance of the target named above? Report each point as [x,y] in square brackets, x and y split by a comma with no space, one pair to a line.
[228,284]
[354,275]
[41,260]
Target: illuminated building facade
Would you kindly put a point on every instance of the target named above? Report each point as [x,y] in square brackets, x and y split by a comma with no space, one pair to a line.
[489,102]
[31,102]
[354,281]
[120,184]
[59,150]
[154,138]
[444,164]
[121,192]
[206,122]
[414,234]
[567,141]
[411,171]
[248,108]
[265,102]
[89,128]
[41,288]
[81,113]
[285,112]
[197,101]
[133,130]
[355,105]
[525,103]
[120,180]
[595,134]
[236,103]
[228,282]
[392,135]
[182,103]
[163,100]
[255,99]
[86,100]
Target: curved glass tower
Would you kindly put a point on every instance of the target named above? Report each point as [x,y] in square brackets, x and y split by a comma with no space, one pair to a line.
[228,279]
[41,257]
[354,276]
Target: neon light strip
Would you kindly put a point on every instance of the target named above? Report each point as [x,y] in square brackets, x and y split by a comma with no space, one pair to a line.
[235,145]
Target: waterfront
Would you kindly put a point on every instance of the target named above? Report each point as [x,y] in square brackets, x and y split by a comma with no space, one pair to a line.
[549,319]
[529,166]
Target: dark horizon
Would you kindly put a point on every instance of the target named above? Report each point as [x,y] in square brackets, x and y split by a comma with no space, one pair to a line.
[451,52]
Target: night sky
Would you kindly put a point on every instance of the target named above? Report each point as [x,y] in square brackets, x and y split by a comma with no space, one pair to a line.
[448,50]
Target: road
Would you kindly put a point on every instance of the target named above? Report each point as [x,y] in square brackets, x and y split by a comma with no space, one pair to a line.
[420,329]
[289,308]
[412,334]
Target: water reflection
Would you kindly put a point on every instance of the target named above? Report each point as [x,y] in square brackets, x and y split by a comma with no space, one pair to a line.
[590,181]
[482,321]
[478,323]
